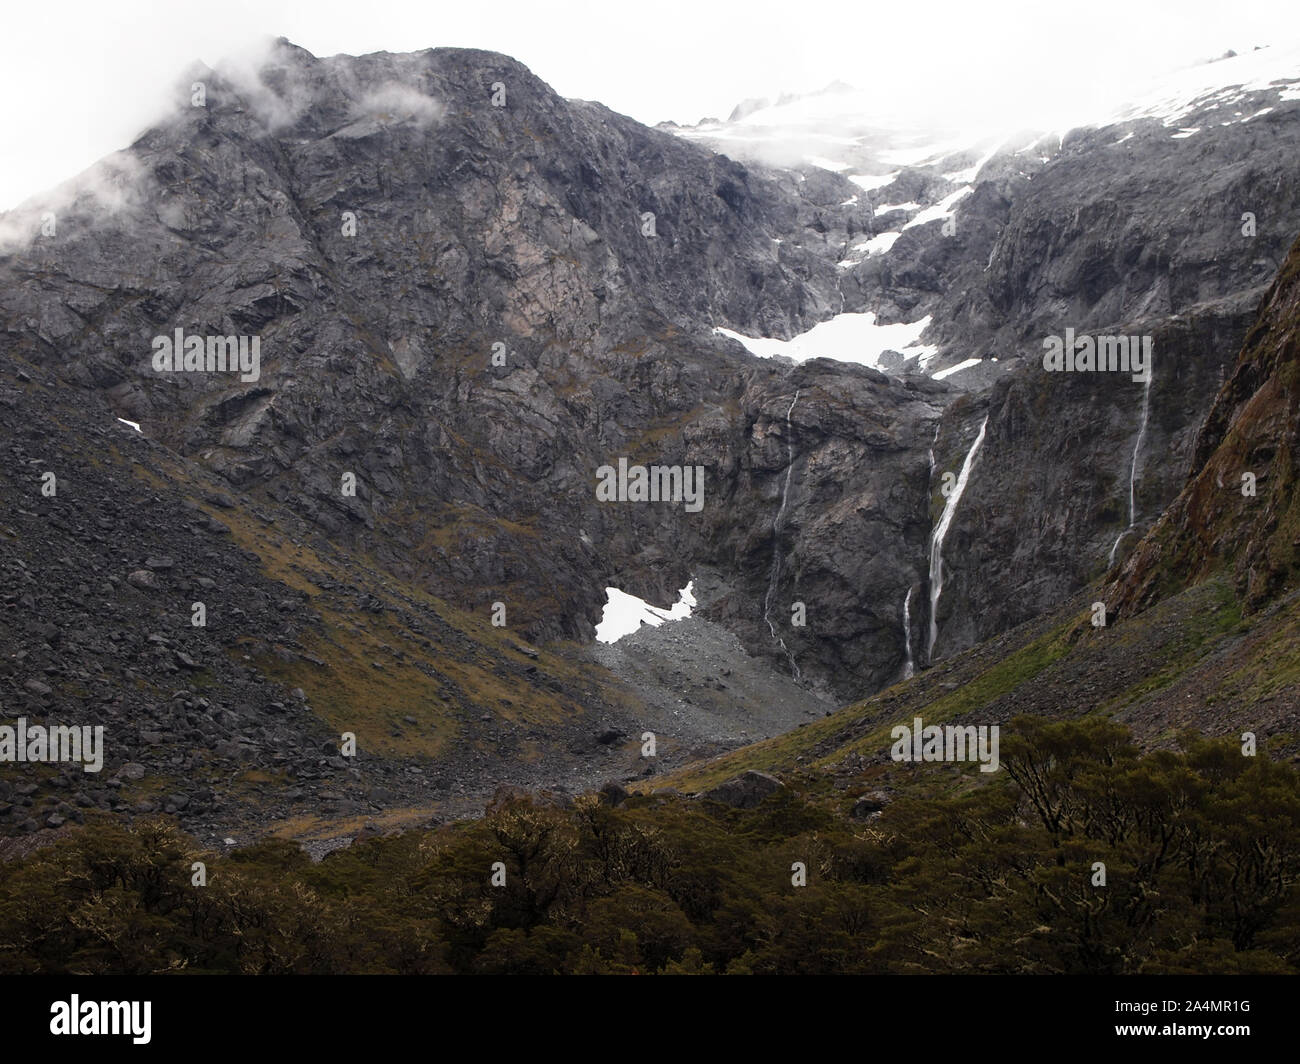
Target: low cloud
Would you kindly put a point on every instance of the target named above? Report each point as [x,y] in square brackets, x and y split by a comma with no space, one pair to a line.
[393,101]
[114,186]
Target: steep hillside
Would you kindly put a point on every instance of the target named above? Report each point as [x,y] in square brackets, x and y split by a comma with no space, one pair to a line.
[1167,218]
[1239,512]
[472,299]
[1202,624]
[466,310]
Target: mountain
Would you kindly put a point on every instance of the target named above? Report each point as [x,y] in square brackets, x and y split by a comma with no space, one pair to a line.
[1200,628]
[1145,222]
[381,484]
[470,297]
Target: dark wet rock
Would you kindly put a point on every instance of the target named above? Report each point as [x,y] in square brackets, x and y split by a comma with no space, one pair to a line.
[868,805]
[746,790]
[612,793]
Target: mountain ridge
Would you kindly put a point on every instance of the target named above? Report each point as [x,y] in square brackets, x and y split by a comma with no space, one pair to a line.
[525,225]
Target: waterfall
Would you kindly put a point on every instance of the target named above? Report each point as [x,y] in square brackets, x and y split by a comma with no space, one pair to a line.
[937,537]
[909,669]
[776,537]
[1133,465]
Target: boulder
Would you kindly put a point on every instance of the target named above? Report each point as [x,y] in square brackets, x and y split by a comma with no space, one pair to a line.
[746,790]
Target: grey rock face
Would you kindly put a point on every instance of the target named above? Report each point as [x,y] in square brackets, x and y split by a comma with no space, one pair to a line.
[746,790]
[1127,229]
[526,226]
[381,227]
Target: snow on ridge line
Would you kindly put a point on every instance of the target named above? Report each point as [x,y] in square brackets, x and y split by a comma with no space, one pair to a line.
[849,337]
[624,614]
[1223,81]
[813,127]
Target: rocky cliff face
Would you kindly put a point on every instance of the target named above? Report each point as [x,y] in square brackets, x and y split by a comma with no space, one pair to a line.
[1048,509]
[470,308]
[1238,512]
[1167,220]
[1138,227]
[526,225]
[1202,631]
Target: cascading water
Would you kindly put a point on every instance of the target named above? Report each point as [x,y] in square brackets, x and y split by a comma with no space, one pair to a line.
[937,537]
[909,669]
[1132,471]
[776,538]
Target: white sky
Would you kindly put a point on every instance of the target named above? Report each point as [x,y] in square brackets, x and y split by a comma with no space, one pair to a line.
[80,78]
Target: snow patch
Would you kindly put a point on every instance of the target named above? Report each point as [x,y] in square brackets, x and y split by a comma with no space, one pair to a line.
[877,245]
[940,374]
[941,210]
[624,613]
[885,208]
[846,337]
[871,182]
[968,176]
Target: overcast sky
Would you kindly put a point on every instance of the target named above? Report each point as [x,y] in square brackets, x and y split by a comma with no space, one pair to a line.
[81,79]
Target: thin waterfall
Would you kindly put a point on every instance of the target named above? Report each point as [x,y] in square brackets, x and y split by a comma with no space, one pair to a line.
[1133,465]
[937,537]
[909,669]
[776,538]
